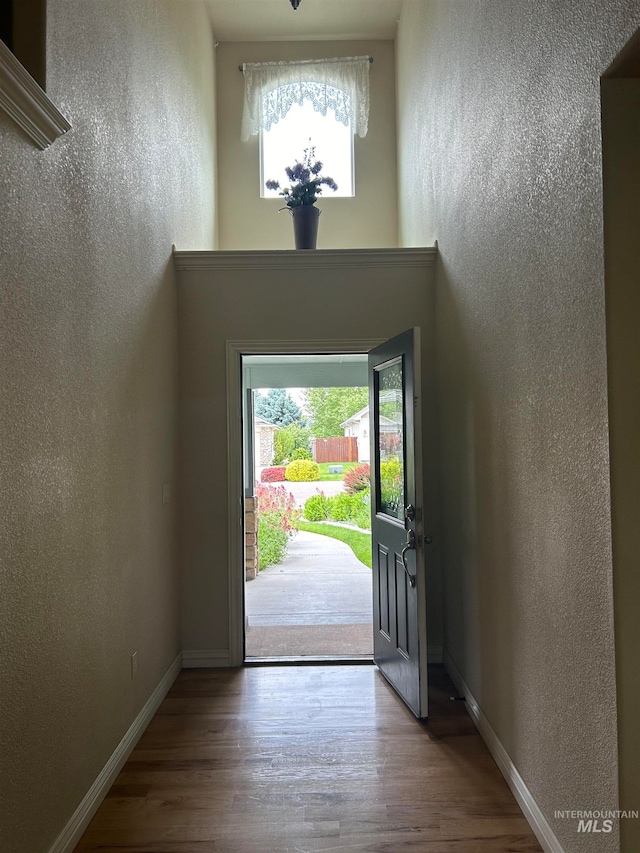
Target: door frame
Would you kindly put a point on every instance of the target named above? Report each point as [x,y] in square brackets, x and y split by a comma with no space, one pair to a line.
[235,441]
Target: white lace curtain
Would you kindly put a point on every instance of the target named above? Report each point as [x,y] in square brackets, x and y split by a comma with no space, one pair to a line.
[271,88]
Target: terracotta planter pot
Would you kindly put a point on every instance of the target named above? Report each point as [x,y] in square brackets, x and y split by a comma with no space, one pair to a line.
[305,225]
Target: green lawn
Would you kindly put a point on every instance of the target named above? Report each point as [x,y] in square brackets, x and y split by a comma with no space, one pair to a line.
[324,470]
[360,543]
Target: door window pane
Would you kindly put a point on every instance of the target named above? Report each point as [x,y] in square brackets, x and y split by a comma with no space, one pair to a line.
[390,472]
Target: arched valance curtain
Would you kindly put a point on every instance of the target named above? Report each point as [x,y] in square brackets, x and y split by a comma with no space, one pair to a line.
[271,88]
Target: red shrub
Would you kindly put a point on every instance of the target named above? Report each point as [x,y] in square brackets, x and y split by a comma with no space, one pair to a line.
[273,475]
[357,479]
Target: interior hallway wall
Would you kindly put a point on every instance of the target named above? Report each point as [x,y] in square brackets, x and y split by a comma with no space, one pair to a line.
[369,219]
[284,300]
[500,161]
[88,371]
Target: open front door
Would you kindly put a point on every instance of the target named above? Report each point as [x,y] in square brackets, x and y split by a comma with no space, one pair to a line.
[399,599]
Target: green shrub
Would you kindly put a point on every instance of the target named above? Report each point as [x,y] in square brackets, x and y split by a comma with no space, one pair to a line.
[354,509]
[315,508]
[340,507]
[287,440]
[302,471]
[300,453]
[272,539]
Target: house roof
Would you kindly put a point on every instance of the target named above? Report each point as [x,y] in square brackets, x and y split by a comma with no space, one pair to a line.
[357,417]
[361,415]
[262,422]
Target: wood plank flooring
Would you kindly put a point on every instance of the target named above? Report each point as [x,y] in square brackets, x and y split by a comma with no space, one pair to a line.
[301,759]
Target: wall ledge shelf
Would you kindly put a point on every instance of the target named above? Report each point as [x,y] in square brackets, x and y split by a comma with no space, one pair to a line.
[27,104]
[289,259]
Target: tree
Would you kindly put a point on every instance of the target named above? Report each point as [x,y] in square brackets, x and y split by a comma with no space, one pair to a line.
[329,407]
[277,407]
[287,440]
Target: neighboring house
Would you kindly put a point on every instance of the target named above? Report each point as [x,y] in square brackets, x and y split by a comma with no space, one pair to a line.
[358,426]
[263,441]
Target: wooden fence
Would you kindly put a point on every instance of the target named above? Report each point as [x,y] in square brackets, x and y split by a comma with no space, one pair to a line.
[335,449]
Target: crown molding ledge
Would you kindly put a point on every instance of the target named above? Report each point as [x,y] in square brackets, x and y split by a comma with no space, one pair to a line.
[305,259]
[28,104]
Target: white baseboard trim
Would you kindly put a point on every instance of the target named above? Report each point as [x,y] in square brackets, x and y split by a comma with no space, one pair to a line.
[71,834]
[202,658]
[524,797]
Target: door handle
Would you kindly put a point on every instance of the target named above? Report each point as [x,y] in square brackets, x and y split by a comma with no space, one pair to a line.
[409,545]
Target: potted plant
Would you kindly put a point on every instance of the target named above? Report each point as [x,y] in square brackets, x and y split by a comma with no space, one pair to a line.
[306,186]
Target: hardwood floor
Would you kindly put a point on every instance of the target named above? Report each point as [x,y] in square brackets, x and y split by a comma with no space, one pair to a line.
[300,759]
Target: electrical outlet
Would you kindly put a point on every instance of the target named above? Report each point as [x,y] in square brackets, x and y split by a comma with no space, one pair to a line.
[134,665]
[166,493]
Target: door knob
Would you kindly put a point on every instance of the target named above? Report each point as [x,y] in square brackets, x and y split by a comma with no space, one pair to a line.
[409,545]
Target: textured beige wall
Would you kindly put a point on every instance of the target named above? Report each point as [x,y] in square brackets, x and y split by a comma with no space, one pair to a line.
[369,220]
[621,169]
[500,161]
[88,372]
[275,305]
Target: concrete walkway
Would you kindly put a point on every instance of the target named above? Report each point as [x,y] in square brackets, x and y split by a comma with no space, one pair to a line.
[318,601]
[302,491]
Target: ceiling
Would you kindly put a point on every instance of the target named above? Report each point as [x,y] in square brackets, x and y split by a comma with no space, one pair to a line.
[314,20]
[338,370]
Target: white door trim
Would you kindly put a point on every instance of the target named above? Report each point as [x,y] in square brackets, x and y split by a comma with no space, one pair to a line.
[235,491]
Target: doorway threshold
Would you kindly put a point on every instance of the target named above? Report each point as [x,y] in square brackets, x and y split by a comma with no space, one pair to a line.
[311,660]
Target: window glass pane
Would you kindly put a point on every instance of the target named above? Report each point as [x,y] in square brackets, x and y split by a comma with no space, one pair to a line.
[390,472]
[285,143]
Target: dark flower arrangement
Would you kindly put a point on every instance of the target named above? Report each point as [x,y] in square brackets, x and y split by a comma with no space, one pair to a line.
[309,181]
